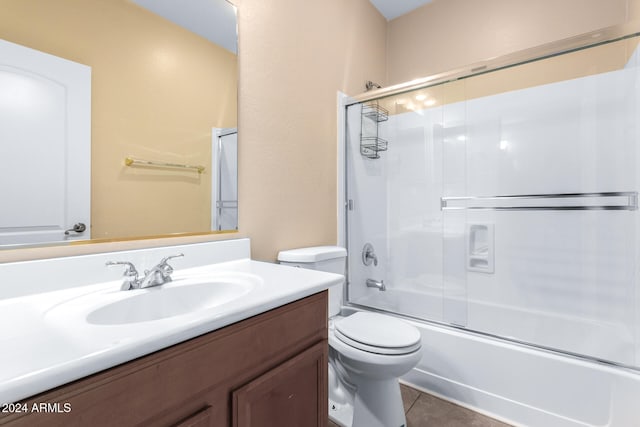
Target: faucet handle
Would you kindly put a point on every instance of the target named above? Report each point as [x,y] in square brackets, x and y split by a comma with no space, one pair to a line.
[130,273]
[163,267]
[166,268]
[164,260]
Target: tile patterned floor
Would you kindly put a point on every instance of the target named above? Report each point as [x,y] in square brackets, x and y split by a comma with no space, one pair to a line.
[425,410]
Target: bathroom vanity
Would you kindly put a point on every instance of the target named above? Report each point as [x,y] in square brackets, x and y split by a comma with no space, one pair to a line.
[257,360]
[268,370]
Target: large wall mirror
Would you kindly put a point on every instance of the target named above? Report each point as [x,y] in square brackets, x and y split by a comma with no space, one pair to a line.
[162,79]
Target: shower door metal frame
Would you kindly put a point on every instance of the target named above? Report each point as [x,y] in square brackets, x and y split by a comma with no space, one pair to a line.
[548,50]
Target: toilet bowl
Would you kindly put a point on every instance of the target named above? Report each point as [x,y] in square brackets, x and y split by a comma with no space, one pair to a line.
[368,352]
[374,350]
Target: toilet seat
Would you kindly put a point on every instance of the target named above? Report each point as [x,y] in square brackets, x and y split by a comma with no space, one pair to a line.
[377,333]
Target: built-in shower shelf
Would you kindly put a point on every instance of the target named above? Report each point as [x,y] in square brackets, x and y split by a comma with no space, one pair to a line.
[370,142]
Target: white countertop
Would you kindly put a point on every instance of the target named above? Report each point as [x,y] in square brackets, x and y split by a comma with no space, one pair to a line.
[42,348]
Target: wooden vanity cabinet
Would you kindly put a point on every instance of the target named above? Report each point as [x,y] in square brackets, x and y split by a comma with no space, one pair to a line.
[268,370]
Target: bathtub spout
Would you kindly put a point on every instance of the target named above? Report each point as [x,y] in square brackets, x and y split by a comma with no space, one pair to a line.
[371,283]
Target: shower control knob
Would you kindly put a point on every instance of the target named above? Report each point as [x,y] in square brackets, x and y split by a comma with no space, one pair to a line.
[369,255]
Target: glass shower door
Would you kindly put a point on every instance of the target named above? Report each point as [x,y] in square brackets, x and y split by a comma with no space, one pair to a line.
[506,203]
[394,206]
[551,204]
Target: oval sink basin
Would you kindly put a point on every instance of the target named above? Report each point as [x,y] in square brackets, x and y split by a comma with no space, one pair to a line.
[190,295]
[161,302]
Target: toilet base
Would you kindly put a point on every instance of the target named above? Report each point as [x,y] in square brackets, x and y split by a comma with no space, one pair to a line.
[378,403]
[341,413]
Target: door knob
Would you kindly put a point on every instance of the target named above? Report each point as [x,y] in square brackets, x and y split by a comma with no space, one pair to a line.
[77,228]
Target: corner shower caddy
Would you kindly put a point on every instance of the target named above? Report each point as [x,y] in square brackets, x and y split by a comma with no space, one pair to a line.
[370,142]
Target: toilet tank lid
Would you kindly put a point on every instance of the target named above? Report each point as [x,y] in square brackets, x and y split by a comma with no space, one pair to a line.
[312,254]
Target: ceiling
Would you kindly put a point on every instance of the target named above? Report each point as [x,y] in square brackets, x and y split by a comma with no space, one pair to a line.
[391,9]
[214,20]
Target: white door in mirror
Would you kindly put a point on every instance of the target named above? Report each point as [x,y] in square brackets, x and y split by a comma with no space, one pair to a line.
[45,147]
[224,179]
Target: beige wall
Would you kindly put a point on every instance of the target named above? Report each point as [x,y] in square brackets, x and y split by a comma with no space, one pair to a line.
[447,34]
[157,90]
[294,56]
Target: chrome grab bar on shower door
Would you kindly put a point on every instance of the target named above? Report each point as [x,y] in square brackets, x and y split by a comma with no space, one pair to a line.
[617,201]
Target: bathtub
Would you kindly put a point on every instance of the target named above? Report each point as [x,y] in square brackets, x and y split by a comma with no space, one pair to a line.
[521,384]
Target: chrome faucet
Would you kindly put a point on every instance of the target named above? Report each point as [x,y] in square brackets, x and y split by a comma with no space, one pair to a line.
[158,275]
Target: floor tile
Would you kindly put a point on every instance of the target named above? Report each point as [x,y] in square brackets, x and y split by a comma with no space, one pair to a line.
[425,410]
[409,396]
[430,411]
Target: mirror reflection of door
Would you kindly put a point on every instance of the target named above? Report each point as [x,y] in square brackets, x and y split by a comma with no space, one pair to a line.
[224,179]
[45,147]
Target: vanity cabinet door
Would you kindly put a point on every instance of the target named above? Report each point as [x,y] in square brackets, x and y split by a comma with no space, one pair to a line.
[292,394]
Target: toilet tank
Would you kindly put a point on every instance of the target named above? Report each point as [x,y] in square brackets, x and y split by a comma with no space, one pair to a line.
[331,259]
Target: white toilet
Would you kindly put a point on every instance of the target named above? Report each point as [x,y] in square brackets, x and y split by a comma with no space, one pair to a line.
[367,351]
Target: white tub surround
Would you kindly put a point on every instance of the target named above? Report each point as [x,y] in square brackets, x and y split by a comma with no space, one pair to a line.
[44,305]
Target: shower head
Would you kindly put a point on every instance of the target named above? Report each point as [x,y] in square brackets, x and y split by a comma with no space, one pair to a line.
[369,85]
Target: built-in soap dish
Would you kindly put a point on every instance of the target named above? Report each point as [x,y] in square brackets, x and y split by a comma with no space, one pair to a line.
[480,248]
